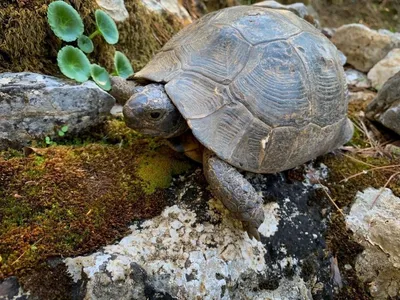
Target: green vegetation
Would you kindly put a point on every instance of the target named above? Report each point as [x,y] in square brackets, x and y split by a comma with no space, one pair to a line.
[71,199]
[66,24]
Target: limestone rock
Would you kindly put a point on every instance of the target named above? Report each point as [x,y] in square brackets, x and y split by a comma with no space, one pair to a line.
[10,289]
[362,46]
[169,6]
[194,249]
[386,106]
[377,227]
[365,96]
[357,79]
[33,106]
[115,8]
[298,8]
[385,69]
[342,58]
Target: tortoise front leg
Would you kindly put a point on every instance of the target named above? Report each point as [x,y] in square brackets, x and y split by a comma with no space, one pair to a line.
[235,192]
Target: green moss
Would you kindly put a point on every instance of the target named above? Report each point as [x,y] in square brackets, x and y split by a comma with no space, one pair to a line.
[28,44]
[339,239]
[74,199]
[156,170]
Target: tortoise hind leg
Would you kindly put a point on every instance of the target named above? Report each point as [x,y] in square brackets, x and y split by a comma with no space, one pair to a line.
[235,192]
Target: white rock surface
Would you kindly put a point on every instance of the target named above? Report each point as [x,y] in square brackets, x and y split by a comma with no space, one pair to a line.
[366,96]
[376,226]
[342,58]
[357,79]
[362,46]
[170,6]
[115,8]
[172,248]
[385,69]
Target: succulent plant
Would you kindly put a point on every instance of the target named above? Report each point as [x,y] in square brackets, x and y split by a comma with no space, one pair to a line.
[123,67]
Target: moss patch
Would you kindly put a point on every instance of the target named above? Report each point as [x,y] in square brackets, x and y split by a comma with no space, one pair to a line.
[73,199]
[156,170]
[28,44]
[339,239]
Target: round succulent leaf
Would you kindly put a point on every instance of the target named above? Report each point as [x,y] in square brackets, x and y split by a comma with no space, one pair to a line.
[85,44]
[73,63]
[122,65]
[107,27]
[65,21]
[101,77]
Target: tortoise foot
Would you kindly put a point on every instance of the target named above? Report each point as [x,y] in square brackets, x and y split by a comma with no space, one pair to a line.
[235,192]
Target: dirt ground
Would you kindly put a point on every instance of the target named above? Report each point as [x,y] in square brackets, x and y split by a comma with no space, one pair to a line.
[377,14]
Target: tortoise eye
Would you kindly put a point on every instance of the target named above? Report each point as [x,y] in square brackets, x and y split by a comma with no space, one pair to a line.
[155,115]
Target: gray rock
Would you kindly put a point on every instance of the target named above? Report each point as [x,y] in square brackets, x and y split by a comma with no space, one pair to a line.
[33,106]
[362,46]
[194,250]
[342,57]
[169,6]
[115,8]
[365,96]
[376,226]
[10,289]
[328,31]
[357,79]
[394,35]
[386,106]
[385,69]
[299,9]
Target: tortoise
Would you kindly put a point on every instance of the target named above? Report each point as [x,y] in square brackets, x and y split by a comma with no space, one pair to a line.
[245,88]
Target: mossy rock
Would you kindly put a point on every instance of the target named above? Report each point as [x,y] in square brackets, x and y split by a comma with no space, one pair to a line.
[71,199]
[28,44]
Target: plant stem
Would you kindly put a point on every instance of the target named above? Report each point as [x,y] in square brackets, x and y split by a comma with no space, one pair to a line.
[94,34]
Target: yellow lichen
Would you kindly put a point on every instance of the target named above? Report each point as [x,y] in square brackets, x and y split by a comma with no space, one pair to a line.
[156,170]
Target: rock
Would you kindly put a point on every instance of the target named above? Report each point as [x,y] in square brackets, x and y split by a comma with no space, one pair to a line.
[122,89]
[365,96]
[328,32]
[376,226]
[33,106]
[298,8]
[115,8]
[393,35]
[169,6]
[386,106]
[385,69]
[10,289]
[357,79]
[195,250]
[392,149]
[362,46]
[116,111]
[342,58]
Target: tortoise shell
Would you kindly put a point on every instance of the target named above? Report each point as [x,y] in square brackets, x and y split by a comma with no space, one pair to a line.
[260,87]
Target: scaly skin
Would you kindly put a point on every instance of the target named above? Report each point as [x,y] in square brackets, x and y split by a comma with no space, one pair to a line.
[235,192]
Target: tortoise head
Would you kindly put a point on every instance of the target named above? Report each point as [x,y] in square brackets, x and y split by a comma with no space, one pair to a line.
[150,111]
